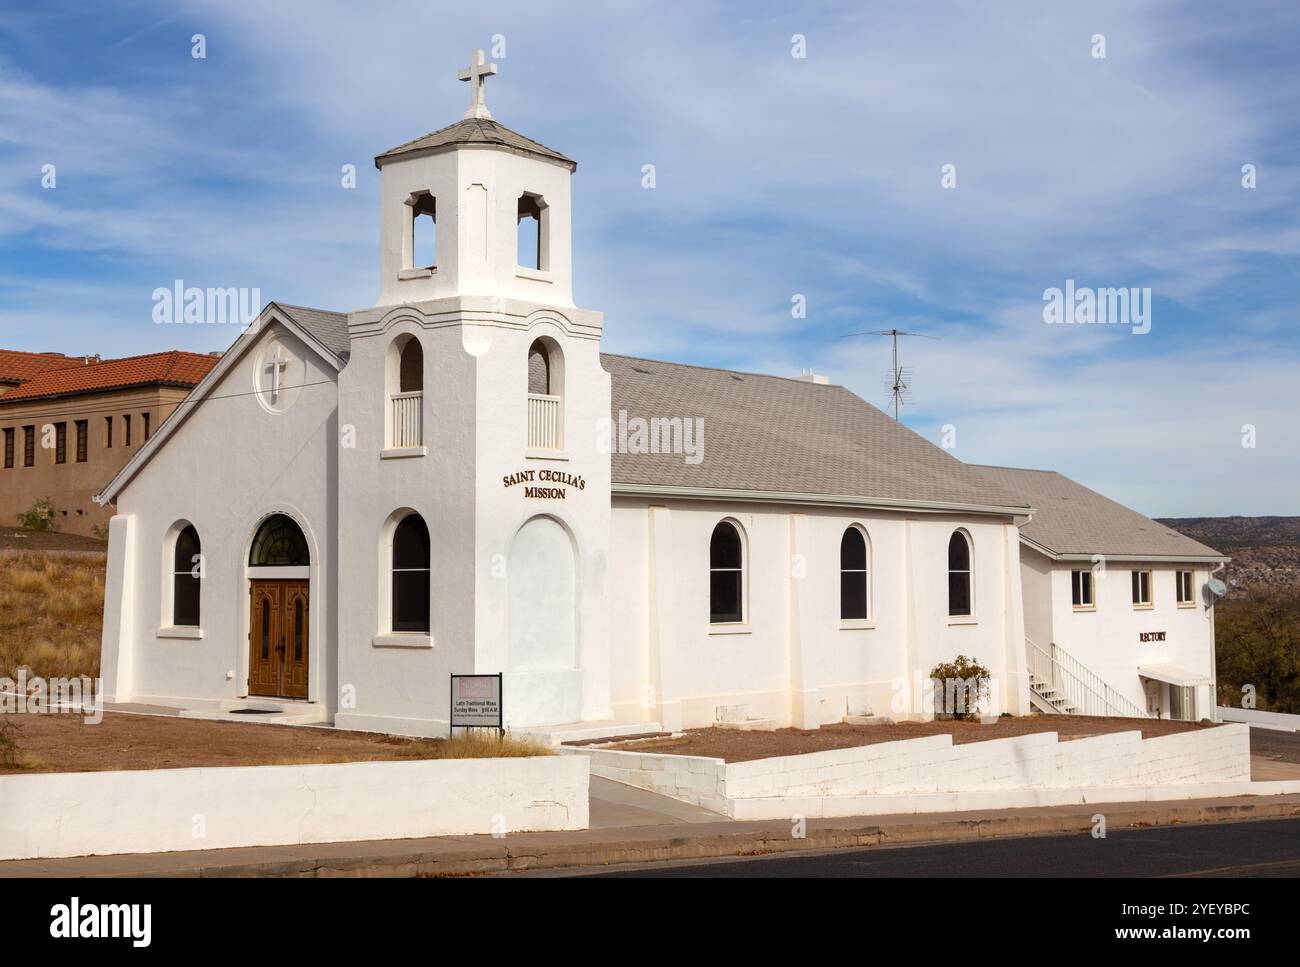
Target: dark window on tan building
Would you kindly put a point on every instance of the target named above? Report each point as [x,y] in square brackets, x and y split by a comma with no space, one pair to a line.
[29,446]
[108,432]
[60,443]
[145,417]
[9,447]
[126,430]
[83,430]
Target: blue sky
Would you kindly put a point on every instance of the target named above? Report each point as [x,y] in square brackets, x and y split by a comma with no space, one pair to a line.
[775,176]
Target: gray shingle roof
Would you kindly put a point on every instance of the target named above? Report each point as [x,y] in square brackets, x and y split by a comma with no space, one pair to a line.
[776,435]
[477,131]
[331,328]
[1071,519]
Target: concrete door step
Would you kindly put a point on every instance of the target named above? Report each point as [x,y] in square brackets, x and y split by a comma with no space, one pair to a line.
[269,711]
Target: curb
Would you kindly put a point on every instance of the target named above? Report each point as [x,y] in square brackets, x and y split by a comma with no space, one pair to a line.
[521,858]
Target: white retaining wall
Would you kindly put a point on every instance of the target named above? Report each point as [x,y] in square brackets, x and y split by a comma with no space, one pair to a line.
[933,764]
[1281,721]
[160,810]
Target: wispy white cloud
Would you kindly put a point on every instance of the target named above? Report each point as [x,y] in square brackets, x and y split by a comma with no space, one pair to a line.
[775,176]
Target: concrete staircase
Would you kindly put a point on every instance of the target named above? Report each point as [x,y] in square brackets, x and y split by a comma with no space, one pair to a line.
[1060,684]
[1047,699]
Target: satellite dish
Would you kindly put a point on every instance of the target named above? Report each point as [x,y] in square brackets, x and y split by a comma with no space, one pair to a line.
[1214,589]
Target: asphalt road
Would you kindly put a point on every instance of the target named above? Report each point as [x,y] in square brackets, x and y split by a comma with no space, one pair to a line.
[1262,848]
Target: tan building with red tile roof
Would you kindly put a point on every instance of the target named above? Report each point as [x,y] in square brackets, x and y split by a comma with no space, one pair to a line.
[68,424]
[17,367]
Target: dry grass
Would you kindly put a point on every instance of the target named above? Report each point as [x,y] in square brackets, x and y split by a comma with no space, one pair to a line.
[68,743]
[474,745]
[12,758]
[51,614]
[478,744]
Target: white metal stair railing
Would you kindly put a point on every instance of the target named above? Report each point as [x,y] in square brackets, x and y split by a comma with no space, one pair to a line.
[1042,692]
[1064,685]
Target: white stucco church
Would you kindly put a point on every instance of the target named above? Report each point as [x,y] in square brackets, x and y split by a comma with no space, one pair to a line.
[353,506]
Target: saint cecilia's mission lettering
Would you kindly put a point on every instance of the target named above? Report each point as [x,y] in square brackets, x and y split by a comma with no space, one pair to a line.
[544,476]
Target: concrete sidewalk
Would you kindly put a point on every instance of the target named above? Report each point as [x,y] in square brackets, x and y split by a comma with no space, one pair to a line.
[633,826]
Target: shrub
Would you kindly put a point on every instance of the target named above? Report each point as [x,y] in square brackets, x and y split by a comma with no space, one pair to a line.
[959,687]
[39,516]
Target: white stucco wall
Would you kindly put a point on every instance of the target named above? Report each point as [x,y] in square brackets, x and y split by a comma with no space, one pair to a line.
[1105,639]
[163,810]
[477,191]
[869,774]
[547,691]
[400,682]
[233,462]
[793,660]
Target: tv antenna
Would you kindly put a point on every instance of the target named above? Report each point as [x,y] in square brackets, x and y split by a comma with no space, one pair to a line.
[898,382]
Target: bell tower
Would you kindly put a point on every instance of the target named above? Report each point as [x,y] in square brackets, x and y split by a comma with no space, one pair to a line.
[475,209]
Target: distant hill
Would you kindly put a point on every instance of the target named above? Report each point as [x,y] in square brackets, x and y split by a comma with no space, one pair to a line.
[1265,551]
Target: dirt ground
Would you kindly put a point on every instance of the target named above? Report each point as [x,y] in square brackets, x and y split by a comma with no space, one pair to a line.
[19,539]
[736,746]
[63,743]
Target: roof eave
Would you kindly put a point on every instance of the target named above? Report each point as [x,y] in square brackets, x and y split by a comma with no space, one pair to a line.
[1081,556]
[814,500]
[561,161]
[98,390]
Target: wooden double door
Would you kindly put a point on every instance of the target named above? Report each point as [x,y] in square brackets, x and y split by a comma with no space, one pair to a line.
[278,638]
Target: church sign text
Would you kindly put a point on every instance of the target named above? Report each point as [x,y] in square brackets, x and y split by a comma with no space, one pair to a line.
[532,479]
[1151,636]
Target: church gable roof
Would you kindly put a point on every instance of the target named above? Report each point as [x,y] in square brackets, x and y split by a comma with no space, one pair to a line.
[477,131]
[326,333]
[775,435]
[1069,520]
[329,328]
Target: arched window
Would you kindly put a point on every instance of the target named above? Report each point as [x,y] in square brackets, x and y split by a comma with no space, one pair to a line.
[411,368]
[531,237]
[959,574]
[854,599]
[404,376]
[545,395]
[279,543]
[187,575]
[726,575]
[420,241]
[411,575]
[539,369]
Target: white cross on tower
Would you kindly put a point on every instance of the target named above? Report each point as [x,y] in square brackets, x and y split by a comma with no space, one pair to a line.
[476,73]
[276,363]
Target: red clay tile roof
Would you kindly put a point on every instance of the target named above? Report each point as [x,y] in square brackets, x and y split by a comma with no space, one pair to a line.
[18,367]
[171,368]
